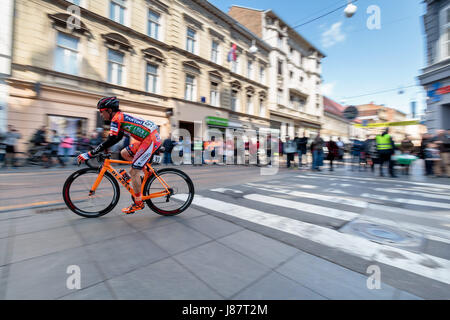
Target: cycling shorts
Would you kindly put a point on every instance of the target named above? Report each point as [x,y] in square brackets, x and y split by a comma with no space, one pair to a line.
[141,151]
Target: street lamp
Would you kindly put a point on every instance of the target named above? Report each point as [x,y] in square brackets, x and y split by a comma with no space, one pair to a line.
[350,10]
[253,48]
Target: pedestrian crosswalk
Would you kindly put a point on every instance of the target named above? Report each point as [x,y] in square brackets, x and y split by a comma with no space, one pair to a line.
[303,213]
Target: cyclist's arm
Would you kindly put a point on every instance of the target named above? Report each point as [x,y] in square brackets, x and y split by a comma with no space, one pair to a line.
[110,141]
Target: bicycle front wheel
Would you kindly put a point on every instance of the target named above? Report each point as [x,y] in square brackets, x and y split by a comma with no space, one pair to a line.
[181,189]
[77,188]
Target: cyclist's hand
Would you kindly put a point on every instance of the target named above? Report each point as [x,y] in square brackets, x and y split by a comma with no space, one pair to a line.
[83,157]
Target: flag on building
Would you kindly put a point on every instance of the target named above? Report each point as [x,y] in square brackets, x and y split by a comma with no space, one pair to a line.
[232,53]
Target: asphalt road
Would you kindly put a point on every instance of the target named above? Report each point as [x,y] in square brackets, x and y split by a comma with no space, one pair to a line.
[292,235]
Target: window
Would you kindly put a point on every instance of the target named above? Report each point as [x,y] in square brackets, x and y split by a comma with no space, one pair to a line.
[215,51]
[445,33]
[262,75]
[280,67]
[76,2]
[250,69]
[66,56]
[153,24]
[152,78]
[234,100]
[301,79]
[190,40]
[280,41]
[190,88]
[280,96]
[117,10]
[291,74]
[214,94]
[262,108]
[250,104]
[235,65]
[115,67]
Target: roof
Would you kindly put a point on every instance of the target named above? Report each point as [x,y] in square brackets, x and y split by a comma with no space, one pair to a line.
[270,11]
[335,108]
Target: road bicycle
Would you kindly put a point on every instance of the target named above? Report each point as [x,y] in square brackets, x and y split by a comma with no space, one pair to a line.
[94,191]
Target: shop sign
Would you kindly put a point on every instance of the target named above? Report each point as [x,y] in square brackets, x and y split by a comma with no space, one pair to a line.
[221,122]
[437,91]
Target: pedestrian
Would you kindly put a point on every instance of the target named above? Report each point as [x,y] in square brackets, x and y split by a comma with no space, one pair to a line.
[168,145]
[10,140]
[371,152]
[95,140]
[39,137]
[432,156]
[341,150]
[301,148]
[442,167]
[2,147]
[386,148]
[357,152]
[317,152]
[406,148]
[55,141]
[333,152]
[290,147]
[67,145]
[426,138]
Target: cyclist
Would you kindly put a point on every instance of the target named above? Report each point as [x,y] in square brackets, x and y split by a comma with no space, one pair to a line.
[146,142]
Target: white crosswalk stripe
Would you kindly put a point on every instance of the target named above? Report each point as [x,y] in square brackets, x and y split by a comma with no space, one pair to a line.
[421,264]
[287,200]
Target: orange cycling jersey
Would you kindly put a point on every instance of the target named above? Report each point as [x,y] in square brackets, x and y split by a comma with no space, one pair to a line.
[137,128]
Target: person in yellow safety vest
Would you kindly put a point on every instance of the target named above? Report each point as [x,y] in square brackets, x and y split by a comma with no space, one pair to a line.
[385,148]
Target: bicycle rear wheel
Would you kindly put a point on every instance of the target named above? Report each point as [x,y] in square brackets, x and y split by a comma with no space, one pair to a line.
[182,192]
[76,193]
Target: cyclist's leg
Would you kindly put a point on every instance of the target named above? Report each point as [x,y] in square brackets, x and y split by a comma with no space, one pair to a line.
[142,156]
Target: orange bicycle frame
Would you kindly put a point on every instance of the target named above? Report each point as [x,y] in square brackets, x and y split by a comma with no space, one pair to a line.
[148,173]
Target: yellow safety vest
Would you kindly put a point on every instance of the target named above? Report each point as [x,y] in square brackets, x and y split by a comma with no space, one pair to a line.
[384,142]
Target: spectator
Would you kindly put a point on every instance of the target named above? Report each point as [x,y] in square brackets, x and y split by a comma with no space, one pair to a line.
[431,157]
[341,150]
[2,147]
[357,152]
[406,147]
[317,152]
[371,152]
[67,144]
[39,137]
[168,145]
[333,152]
[442,167]
[53,148]
[426,138]
[11,137]
[95,140]
[301,148]
[290,147]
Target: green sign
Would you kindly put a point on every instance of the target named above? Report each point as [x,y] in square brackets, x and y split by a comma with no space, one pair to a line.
[222,122]
[137,131]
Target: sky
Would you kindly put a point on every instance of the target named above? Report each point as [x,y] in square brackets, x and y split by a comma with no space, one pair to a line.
[360,62]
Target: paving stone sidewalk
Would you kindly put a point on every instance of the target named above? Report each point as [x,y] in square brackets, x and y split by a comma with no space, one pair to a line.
[145,256]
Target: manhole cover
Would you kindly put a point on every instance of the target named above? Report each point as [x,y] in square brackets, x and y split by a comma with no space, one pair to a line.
[384,234]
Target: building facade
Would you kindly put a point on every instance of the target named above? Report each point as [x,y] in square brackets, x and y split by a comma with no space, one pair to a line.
[435,77]
[295,100]
[166,60]
[372,113]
